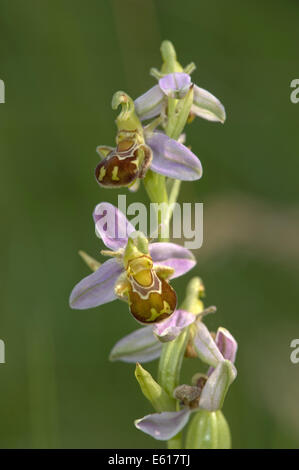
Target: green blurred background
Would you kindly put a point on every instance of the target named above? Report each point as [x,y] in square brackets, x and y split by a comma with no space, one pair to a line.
[61,61]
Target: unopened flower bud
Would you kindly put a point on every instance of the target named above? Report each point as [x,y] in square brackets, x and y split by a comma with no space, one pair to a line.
[170,63]
[208,430]
[192,302]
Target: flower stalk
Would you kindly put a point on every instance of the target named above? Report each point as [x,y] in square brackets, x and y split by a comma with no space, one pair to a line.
[173,352]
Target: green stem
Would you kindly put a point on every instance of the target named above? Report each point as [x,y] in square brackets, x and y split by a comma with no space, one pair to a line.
[159,192]
[173,352]
[171,123]
[173,193]
[171,362]
[169,373]
[156,189]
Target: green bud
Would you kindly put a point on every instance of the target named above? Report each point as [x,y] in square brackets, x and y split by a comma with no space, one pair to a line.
[170,63]
[194,292]
[208,430]
[155,394]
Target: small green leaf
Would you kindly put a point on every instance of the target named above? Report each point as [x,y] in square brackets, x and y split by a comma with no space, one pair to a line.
[153,391]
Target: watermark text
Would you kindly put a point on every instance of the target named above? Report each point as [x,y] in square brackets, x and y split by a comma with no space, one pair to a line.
[2,92]
[294,96]
[182,222]
[2,351]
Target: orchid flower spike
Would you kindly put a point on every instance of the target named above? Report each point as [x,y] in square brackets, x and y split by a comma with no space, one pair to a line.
[138,149]
[138,272]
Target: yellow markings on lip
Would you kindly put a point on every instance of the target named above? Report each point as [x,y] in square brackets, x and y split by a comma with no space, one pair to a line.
[114,176]
[166,308]
[154,314]
[102,173]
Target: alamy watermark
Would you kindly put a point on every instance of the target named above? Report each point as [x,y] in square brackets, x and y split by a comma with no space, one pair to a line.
[294,356]
[2,351]
[294,96]
[186,221]
[2,92]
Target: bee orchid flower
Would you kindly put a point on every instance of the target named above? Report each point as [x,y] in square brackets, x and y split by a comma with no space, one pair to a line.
[176,85]
[138,149]
[138,272]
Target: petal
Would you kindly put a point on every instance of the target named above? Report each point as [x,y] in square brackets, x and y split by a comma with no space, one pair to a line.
[207,106]
[227,344]
[169,329]
[175,85]
[163,426]
[139,346]
[112,226]
[216,387]
[97,288]
[149,104]
[170,158]
[205,346]
[169,254]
